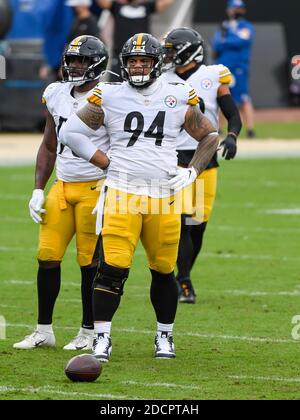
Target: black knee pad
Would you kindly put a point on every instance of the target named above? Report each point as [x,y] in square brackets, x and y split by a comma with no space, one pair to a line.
[111,278]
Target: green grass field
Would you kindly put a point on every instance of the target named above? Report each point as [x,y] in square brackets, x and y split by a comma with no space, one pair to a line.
[235,343]
[276,130]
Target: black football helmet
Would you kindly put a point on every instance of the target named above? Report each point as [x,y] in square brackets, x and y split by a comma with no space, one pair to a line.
[144,45]
[91,51]
[181,46]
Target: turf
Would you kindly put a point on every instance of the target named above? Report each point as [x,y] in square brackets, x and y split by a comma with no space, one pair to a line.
[235,343]
[276,130]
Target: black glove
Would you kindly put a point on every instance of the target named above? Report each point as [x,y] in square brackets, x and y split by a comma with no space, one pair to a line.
[229,147]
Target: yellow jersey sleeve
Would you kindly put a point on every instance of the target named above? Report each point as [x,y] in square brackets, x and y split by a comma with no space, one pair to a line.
[225,77]
[96,97]
[193,98]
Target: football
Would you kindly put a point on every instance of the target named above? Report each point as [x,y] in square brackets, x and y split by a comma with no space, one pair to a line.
[83,368]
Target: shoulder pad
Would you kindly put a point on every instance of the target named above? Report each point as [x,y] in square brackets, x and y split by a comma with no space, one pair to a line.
[49,91]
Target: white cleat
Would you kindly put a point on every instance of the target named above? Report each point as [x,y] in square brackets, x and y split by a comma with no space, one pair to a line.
[164,346]
[102,347]
[36,339]
[83,340]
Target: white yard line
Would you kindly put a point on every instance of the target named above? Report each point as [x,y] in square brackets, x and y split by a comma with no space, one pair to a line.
[250,257]
[282,212]
[160,385]
[18,282]
[293,293]
[262,340]
[246,229]
[9,197]
[7,219]
[57,391]
[265,378]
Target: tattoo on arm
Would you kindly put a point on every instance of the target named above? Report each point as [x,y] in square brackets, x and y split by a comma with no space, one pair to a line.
[196,124]
[205,151]
[201,129]
[92,115]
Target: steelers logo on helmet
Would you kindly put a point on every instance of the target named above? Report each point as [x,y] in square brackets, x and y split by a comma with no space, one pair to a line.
[171,101]
[139,47]
[84,60]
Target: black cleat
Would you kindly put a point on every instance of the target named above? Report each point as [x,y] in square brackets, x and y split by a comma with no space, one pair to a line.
[186,292]
[251,134]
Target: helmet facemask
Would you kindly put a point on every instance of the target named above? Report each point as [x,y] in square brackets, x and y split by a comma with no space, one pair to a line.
[147,74]
[141,47]
[182,55]
[87,71]
[181,47]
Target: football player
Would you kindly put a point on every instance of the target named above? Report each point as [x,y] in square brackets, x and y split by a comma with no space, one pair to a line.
[184,60]
[69,204]
[144,116]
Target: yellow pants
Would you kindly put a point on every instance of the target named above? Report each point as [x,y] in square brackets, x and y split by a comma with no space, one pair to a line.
[68,211]
[199,199]
[128,217]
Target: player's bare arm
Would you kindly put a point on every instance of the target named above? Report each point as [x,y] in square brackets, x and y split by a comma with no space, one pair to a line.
[46,156]
[92,115]
[200,128]
[76,134]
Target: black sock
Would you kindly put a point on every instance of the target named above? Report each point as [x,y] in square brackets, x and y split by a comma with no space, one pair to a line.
[105,305]
[107,290]
[48,285]
[185,251]
[164,296]
[197,234]
[87,278]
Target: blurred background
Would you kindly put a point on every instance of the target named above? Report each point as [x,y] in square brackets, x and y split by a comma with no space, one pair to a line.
[33,34]
[237,344]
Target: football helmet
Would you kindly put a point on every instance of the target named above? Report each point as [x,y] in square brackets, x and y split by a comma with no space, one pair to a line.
[181,46]
[93,56]
[143,45]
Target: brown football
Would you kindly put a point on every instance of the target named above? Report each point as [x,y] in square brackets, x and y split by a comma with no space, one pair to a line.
[83,368]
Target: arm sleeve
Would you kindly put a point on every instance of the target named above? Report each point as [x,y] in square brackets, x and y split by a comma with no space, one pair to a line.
[231,113]
[76,135]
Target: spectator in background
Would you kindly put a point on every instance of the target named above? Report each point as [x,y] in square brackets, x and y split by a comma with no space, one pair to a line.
[232,46]
[18,17]
[55,19]
[130,17]
[85,22]
[6,17]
